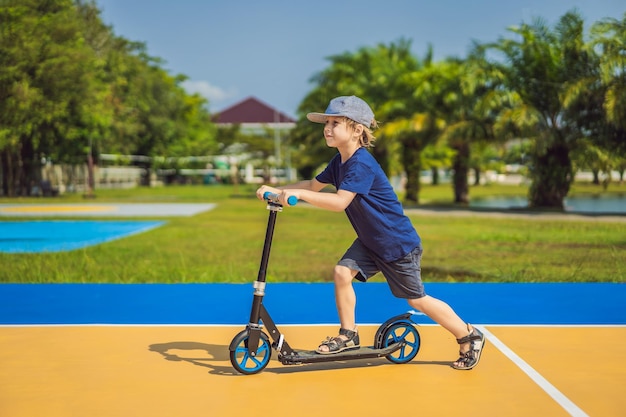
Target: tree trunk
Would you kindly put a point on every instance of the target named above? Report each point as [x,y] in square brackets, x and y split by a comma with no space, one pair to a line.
[30,172]
[91,180]
[476,176]
[381,154]
[459,178]
[412,167]
[596,177]
[435,174]
[144,180]
[551,175]
[6,172]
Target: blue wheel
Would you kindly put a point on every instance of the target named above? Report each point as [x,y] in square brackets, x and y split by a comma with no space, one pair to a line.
[398,332]
[240,356]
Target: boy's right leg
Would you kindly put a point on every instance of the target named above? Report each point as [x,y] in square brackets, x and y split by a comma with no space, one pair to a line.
[345,300]
[345,297]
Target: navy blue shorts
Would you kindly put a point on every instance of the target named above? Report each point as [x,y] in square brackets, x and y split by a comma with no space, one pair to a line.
[403,275]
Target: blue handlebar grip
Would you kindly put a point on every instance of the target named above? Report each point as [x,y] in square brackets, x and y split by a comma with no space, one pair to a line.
[292,200]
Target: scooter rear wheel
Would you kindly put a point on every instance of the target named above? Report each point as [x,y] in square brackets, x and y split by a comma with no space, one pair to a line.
[402,332]
[240,356]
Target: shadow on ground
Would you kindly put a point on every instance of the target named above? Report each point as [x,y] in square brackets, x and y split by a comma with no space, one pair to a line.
[217,354]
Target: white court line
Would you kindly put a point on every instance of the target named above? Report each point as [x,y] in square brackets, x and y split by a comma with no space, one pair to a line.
[550,389]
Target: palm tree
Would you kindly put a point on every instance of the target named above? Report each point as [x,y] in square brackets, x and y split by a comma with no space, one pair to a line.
[376,74]
[609,36]
[414,135]
[437,156]
[465,94]
[595,159]
[539,67]
[434,85]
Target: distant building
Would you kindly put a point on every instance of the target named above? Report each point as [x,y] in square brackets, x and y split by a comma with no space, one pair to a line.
[252,113]
[255,117]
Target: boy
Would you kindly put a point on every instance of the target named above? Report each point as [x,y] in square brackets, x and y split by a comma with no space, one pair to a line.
[386,240]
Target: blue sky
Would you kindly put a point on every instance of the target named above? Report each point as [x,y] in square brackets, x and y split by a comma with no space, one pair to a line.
[270,49]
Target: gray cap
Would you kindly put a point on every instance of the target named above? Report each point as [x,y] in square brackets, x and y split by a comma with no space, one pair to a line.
[351,107]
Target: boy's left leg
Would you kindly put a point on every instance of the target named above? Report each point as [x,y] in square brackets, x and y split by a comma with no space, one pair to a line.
[470,340]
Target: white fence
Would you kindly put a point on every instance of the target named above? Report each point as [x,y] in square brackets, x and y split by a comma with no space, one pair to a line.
[74,178]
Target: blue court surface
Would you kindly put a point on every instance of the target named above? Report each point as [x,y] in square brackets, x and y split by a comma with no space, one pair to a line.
[65,235]
[297,303]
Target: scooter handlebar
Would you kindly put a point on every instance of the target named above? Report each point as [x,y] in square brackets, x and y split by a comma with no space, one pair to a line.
[272,197]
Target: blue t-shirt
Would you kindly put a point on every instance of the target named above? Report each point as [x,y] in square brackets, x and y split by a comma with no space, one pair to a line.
[375,213]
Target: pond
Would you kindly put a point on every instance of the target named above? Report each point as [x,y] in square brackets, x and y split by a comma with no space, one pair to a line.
[615,203]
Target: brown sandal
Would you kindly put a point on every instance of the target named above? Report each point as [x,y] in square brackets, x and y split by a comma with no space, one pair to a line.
[468,360]
[339,344]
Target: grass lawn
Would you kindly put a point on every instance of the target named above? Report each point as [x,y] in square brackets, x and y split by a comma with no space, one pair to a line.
[224,245]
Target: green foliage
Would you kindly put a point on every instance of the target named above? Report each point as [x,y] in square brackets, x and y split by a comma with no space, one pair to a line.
[609,38]
[548,86]
[69,86]
[49,92]
[381,76]
[554,75]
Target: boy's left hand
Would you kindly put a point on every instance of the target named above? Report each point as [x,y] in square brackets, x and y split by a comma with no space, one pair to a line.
[264,189]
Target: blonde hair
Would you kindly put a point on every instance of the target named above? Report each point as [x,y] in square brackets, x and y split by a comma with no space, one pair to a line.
[367,139]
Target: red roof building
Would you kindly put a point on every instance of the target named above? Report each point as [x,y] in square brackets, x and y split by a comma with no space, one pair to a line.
[255,117]
[252,113]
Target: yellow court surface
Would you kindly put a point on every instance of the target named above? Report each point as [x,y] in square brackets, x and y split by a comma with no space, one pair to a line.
[154,371]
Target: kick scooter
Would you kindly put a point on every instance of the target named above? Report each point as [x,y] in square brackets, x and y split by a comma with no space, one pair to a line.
[250,350]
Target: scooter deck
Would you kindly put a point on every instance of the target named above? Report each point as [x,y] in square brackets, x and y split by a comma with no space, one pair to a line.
[311,356]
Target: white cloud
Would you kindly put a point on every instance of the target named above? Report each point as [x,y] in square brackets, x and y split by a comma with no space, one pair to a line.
[213,93]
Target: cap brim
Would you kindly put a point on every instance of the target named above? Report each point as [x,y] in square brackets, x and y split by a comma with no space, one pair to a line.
[317,117]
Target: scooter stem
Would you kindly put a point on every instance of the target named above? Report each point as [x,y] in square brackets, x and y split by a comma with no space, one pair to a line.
[259,285]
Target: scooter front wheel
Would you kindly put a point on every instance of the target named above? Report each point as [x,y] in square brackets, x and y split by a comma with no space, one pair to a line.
[240,356]
[402,332]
